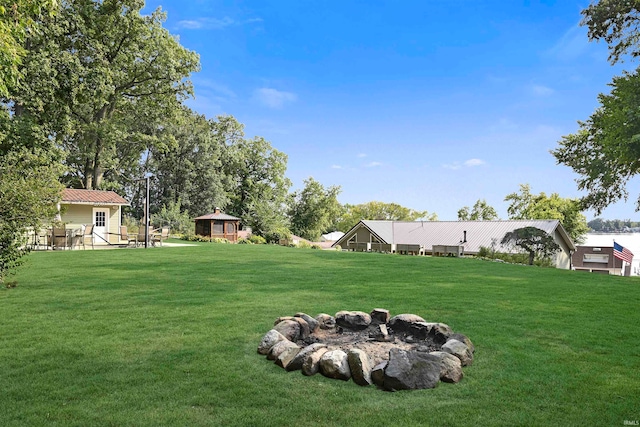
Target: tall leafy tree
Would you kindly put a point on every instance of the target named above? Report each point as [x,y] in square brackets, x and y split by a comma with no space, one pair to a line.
[380,211]
[481,211]
[187,166]
[525,205]
[17,19]
[257,187]
[313,209]
[115,75]
[535,242]
[29,186]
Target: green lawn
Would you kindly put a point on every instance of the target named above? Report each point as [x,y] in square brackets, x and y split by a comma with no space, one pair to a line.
[168,336]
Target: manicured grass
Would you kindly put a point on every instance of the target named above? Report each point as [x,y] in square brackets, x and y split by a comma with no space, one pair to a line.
[168,336]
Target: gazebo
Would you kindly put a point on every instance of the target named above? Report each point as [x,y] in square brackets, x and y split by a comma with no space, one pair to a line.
[218,225]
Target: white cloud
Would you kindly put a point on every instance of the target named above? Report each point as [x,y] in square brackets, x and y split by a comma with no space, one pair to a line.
[361,155]
[503,125]
[373,164]
[540,90]
[274,98]
[336,167]
[215,87]
[206,23]
[572,44]
[467,163]
[474,162]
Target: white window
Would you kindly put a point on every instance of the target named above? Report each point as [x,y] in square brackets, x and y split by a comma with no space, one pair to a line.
[599,258]
[101,218]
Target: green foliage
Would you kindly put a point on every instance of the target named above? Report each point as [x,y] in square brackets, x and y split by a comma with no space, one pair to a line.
[303,244]
[617,23]
[313,210]
[481,212]
[257,240]
[17,19]
[315,246]
[29,192]
[379,211]
[535,242]
[524,205]
[613,225]
[242,241]
[516,258]
[173,217]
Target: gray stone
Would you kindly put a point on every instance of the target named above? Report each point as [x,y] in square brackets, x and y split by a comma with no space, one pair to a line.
[411,370]
[380,333]
[326,321]
[313,323]
[402,322]
[379,315]
[460,350]
[300,358]
[377,374]
[304,328]
[334,364]
[451,368]
[269,340]
[311,363]
[360,366]
[289,328]
[354,320]
[465,340]
[287,355]
[280,319]
[279,348]
[441,328]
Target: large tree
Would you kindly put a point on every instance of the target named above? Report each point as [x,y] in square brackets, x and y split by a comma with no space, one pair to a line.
[256,184]
[187,166]
[481,211]
[106,79]
[605,151]
[380,211]
[313,209]
[525,205]
[29,186]
[17,19]
[532,240]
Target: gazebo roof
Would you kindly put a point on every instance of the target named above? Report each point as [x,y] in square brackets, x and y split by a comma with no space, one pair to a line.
[219,216]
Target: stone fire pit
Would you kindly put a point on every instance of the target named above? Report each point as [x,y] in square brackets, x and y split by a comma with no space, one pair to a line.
[403,352]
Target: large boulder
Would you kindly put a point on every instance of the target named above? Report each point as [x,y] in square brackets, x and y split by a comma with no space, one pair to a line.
[460,350]
[281,318]
[377,373]
[304,328]
[450,369]
[360,366]
[300,358]
[279,348]
[325,321]
[269,340]
[289,328]
[354,320]
[379,315]
[287,355]
[464,339]
[411,370]
[402,322]
[334,364]
[313,323]
[311,363]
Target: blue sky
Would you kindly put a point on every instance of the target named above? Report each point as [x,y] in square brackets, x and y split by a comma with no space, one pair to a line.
[430,104]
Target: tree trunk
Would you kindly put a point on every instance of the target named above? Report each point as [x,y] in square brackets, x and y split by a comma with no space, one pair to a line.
[531,257]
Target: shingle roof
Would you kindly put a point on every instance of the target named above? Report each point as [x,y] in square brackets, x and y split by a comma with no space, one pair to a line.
[478,233]
[76,196]
[218,215]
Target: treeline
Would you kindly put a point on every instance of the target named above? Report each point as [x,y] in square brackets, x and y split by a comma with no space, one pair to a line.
[614,225]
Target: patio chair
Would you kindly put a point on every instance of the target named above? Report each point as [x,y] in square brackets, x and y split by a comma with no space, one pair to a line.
[88,233]
[159,237]
[130,239]
[59,237]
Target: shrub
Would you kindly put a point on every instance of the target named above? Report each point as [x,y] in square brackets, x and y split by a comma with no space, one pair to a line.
[316,247]
[302,244]
[257,240]
[242,241]
[337,247]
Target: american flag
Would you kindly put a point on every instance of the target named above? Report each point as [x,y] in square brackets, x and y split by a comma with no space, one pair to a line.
[622,253]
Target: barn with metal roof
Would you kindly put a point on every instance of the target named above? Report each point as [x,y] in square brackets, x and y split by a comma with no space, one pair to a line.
[461,237]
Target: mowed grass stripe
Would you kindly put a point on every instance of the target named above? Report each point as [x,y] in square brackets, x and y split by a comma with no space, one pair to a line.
[168,337]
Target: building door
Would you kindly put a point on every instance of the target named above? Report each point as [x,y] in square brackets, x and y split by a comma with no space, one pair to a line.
[101,224]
